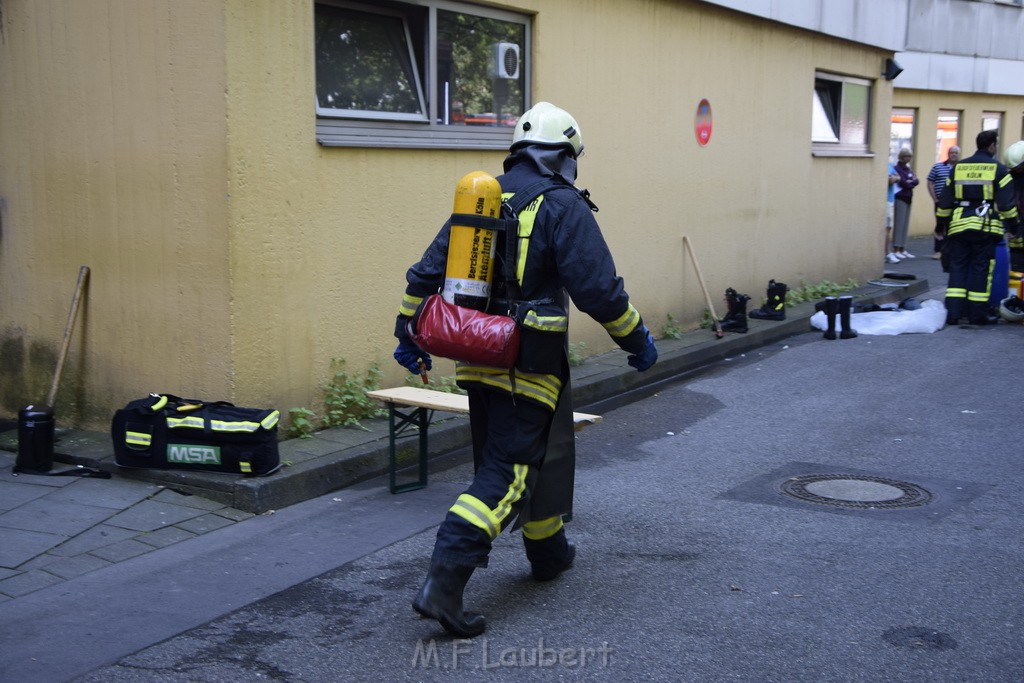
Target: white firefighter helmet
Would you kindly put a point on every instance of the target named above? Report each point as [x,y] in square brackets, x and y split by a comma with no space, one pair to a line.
[1014,154]
[546,124]
[1012,309]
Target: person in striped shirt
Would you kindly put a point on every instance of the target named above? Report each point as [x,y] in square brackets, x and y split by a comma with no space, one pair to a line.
[936,181]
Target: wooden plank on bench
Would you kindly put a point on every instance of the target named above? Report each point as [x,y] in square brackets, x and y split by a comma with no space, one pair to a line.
[423,400]
[452,403]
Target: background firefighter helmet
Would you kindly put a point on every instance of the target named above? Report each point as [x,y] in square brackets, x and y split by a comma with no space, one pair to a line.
[546,124]
[1014,155]
[1012,309]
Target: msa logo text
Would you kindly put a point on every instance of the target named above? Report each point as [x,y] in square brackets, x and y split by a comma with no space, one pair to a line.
[193,455]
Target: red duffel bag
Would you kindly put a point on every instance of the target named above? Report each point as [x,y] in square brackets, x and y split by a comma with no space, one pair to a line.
[464,334]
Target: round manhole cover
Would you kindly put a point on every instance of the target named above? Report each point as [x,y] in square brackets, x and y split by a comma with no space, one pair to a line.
[853,491]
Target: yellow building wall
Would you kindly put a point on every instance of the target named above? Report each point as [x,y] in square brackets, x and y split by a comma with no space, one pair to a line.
[320,237]
[112,156]
[926,105]
[233,257]
[341,226]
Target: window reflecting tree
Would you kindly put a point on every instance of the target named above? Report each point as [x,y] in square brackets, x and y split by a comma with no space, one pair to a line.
[467,79]
[364,63]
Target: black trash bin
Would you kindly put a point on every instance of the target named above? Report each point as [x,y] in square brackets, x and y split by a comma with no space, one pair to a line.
[35,439]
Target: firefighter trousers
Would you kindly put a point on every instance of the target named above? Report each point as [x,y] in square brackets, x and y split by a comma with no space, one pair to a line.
[971,257]
[509,441]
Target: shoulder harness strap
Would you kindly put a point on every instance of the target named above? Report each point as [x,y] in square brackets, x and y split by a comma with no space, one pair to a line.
[510,209]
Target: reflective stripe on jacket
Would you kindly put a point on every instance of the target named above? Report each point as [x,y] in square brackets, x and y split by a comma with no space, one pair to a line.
[978,195]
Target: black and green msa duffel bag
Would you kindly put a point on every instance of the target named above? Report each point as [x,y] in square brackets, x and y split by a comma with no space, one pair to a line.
[166,432]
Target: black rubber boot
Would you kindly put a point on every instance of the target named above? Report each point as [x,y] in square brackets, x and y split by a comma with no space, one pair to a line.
[775,306]
[550,556]
[982,315]
[441,599]
[845,306]
[736,319]
[831,310]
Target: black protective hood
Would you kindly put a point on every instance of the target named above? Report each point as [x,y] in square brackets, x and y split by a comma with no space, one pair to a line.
[550,161]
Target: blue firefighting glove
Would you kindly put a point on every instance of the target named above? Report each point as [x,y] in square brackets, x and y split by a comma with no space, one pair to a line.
[646,358]
[409,355]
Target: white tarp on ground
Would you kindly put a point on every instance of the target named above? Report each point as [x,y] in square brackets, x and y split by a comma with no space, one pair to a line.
[931,317]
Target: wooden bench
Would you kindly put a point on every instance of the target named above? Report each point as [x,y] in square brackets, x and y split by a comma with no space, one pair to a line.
[424,402]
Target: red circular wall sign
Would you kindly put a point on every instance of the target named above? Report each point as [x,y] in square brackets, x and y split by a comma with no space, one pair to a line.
[702,123]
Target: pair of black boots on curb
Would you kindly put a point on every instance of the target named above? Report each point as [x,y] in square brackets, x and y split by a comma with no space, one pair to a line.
[841,307]
[441,595]
[774,307]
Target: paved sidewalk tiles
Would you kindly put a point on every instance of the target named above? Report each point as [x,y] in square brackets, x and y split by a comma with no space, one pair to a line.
[56,528]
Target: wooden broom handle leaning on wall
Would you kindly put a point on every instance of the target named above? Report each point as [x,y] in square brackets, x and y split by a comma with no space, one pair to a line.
[719,333]
[83,276]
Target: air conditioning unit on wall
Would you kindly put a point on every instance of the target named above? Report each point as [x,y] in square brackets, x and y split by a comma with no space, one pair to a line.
[506,61]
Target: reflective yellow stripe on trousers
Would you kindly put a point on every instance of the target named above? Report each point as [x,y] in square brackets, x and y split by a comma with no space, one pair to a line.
[956,293]
[542,528]
[476,512]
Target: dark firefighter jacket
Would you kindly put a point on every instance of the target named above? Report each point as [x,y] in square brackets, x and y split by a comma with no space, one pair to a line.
[561,249]
[1018,190]
[978,195]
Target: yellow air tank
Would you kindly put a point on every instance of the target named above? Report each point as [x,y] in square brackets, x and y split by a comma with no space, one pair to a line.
[470,268]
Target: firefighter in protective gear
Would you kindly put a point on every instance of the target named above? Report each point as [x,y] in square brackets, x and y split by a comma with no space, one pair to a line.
[1014,160]
[521,419]
[1014,155]
[976,207]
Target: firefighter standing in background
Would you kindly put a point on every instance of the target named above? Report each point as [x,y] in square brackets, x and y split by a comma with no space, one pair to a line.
[976,207]
[521,421]
[1014,160]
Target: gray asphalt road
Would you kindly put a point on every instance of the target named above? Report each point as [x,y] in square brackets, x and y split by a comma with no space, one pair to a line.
[816,511]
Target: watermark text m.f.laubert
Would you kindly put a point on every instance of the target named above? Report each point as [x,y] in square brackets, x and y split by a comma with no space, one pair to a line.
[481,654]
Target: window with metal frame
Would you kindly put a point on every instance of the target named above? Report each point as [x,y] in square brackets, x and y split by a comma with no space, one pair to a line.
[433,73]
[947,133]
[840,115]
[993,120]
[902,131]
